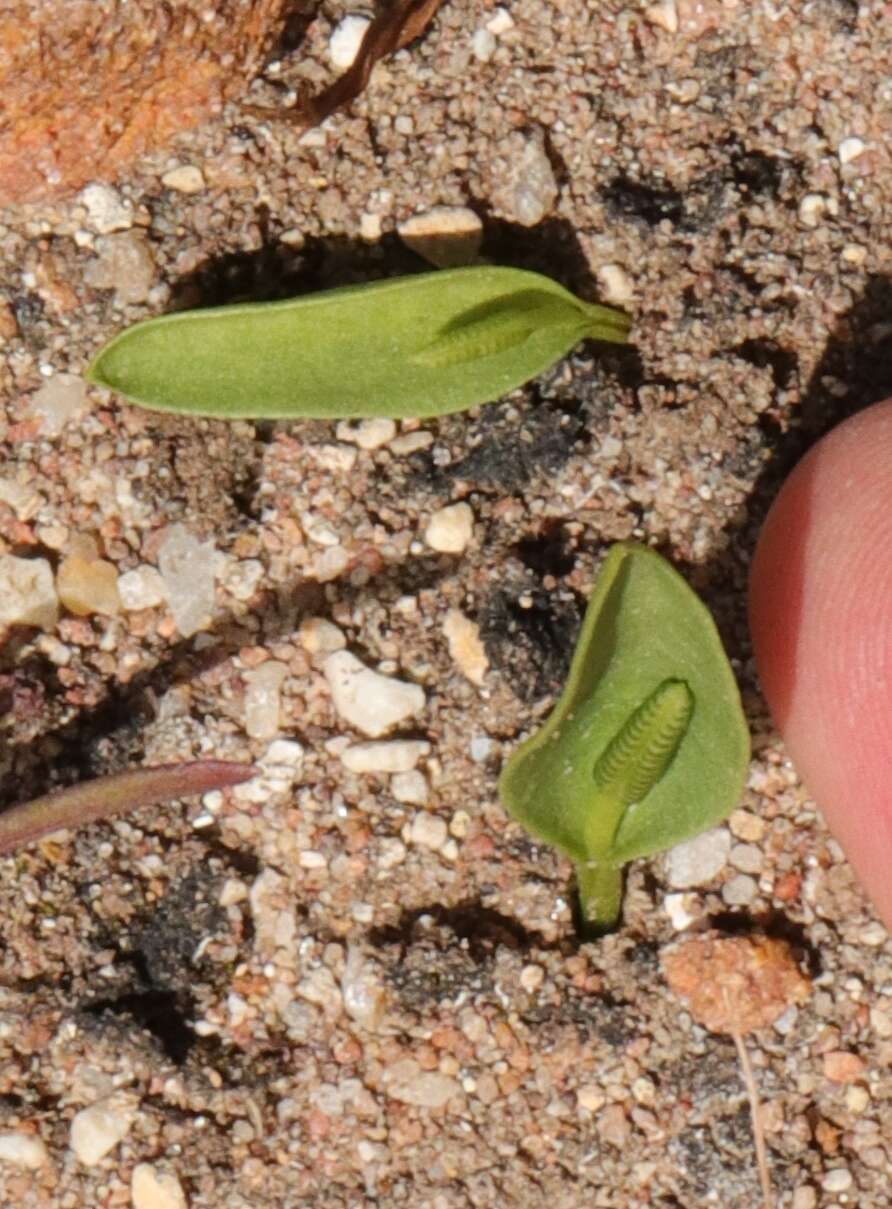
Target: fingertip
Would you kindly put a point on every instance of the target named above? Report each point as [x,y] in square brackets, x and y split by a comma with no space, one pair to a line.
[821,623]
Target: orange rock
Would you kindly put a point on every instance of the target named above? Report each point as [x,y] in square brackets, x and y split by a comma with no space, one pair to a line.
[734,984]
[842,1067]
[88,85]
[787,887]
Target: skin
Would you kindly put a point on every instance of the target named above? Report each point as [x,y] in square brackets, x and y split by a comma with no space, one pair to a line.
[821,620]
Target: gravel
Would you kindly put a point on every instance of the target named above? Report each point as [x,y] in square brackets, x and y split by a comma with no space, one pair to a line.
[301,1000]
[697,861]
[367,700]
[97,1130]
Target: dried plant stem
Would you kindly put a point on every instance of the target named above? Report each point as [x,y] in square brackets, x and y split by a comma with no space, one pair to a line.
[749,1081]
[108,796]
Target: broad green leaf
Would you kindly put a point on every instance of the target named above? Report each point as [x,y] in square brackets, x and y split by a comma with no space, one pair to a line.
[648,744]
[409,346]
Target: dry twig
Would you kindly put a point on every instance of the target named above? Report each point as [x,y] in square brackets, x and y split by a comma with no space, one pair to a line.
[397,24]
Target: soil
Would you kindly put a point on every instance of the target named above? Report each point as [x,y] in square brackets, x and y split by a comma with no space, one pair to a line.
[295,995]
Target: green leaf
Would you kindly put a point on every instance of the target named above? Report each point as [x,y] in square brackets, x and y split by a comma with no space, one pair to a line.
[409,346]
[648,744]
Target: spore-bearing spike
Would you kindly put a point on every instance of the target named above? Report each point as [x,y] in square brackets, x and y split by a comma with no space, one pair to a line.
[640,753]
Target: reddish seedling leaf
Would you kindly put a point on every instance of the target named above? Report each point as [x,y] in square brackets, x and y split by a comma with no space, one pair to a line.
[396,25]
[109,796]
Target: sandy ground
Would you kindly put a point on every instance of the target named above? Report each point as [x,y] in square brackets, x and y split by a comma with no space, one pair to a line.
[341,989]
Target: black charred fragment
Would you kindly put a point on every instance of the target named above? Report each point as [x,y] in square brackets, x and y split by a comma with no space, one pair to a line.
[642,202]
[529,636]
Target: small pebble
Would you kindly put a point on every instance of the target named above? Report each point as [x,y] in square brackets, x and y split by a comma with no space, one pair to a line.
[154,1189]
[445,236]
[142,588]
[664,14]
[362,991]
[57,402]
[283,756]
[319,987]
[232,891]
[318,636]
[500,22]
[399,755]
[682,909]
[87,586]
[367,700]
[188,568]
[480,748]
[449,851]
[405,1081]
[746,826]
[613,1126]
[849,149]
[411,442]
[590,1098]
[450,529]
[483,45]
[367,434]
[391,852]
[23,1150]
[106,209]
[370,227]
[874,935]
[243,577]
[185,178]
[746,857]
[531,978]
[535,189]
[124,263]
[428,831]
[330,564]
[837,1180]
[411,788]
[9,324]
[95,1131]
[25,502]
[881,1022]
[854,253]
[346,39]
[465,646]
[812,209]
[786,1021]
[739,891]
[805,1197]
[697,861]
[460,824]
[840,1066]
[616,284]
[27,592]
[262,703]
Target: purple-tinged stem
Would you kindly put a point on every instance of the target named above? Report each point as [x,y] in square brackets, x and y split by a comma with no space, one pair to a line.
[108,796]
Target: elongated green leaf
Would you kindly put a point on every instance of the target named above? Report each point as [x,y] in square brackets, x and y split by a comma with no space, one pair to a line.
[409,346]
[648,744]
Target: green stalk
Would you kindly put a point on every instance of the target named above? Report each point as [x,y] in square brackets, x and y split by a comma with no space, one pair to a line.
[600,894]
